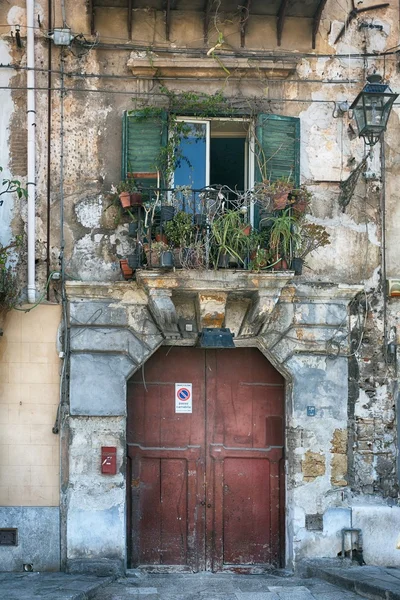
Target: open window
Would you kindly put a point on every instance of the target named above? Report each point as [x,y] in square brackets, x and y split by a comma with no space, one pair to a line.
[232,152]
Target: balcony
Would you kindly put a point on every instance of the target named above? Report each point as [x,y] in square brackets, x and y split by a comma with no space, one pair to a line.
[220,228]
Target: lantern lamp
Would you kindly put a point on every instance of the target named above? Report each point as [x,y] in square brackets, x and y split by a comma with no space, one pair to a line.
[372,108]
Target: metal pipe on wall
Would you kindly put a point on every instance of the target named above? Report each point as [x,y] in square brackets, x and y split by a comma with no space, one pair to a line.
[31,123]
[48,232]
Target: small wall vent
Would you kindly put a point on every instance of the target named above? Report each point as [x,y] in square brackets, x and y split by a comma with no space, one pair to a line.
[314,522]
[8,537]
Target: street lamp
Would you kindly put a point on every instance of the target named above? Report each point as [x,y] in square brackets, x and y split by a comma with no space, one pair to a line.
[372,109]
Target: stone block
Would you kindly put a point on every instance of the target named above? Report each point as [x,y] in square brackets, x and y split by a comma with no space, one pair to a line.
[38,538]
[97,313]
[339,441]
[109,340]
[380,527]
[313,465]
[98,384]
[96,534]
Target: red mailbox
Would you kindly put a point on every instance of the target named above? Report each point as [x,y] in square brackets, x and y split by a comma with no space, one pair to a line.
[108,460]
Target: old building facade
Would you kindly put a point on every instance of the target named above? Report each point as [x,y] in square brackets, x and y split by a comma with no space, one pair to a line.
[85,369]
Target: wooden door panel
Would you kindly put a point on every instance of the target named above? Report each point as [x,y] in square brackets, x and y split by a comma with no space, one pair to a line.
[246,522]
[166,452]
[244,450]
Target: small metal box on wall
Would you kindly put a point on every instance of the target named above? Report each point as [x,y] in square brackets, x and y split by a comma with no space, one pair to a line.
[393,288]
[108,460]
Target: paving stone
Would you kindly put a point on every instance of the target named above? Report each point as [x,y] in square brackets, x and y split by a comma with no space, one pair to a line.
[256,596]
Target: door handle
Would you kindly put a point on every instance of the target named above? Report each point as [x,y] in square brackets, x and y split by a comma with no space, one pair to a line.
[208,505]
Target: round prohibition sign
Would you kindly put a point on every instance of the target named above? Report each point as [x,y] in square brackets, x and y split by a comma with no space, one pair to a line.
[183,394]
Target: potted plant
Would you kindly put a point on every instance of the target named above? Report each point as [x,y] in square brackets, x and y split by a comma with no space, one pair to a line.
[124,195]
[310,237]
[180,230]
[300,200]
[135,259]
[230,242]
[136,195]
[159,255]
[282,235]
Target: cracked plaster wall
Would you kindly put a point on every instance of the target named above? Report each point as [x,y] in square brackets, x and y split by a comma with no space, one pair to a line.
[94,242]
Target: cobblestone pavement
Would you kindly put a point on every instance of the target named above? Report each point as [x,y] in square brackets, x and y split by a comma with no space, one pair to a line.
[207,586]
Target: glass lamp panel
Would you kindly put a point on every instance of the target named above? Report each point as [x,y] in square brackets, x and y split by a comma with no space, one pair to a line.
[359,115]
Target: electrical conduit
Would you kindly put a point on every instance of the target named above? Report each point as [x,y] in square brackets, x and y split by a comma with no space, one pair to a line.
[31,122]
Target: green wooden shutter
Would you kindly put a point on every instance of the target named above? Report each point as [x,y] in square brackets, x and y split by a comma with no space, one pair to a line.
[277,148]
[142,139]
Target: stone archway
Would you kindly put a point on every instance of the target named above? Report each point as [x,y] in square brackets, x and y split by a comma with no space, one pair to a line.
[115,327]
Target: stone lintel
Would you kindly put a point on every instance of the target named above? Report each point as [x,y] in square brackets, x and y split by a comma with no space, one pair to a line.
[185,66]
[213,281]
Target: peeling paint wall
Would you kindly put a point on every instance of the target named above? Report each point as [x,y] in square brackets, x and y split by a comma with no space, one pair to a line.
[353,465]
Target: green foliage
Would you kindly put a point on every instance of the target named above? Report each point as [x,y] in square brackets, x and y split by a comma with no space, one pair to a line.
[180,230]
[229,237]
[283,233]
[127,185]
[310,237]
[11,186]
[187,104]
[9,291]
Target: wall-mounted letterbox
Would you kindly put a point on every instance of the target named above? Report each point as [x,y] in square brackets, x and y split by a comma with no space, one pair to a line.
[108,460]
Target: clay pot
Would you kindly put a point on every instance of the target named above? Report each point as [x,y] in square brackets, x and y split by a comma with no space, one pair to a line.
[136,199]
[127,272]
[246,229]
[300,207]
[280,201]
[153,260]
[161,237]
[125,199]
[281,265]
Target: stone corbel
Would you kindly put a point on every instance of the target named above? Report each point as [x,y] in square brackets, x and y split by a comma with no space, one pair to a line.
[164,313]
[258,312]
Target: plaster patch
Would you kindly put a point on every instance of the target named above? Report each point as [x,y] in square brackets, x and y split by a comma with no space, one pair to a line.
[89,211]
[17,16]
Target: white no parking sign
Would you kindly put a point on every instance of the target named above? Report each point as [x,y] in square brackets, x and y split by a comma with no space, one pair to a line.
[183,397]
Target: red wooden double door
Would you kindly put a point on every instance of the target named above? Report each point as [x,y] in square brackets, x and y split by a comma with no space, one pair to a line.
[206,489]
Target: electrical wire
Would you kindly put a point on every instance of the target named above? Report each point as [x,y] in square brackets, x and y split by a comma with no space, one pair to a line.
[26,310]
[130,77]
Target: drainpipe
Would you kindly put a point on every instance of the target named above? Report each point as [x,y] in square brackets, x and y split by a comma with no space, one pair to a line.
[31,118]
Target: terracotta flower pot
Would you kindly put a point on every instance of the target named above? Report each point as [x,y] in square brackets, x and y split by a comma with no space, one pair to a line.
[125,199]
[136,199]
[300,207]
[246,229]
[281,265]
[161,237]
[127,272]
[280,201]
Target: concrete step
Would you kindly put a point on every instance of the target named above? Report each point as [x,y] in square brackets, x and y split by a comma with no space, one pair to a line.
[375,583]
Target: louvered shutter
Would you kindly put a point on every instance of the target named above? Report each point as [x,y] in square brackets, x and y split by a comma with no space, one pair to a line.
[142,139]
[277,148]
